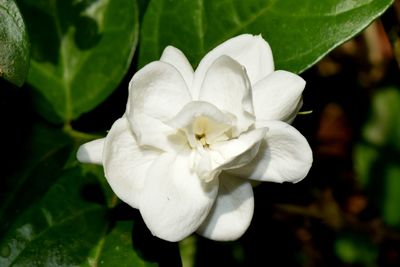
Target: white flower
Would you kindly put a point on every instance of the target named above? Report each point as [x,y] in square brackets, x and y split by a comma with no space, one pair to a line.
[189,141]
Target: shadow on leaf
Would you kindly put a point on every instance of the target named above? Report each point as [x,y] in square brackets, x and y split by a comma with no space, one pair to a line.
[58,18]
[147,246]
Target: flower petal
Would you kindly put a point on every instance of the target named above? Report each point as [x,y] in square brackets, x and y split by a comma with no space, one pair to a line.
[253,52]
[176,58]
[284,156]
[151,132]
[91,152]
[125,163]
[226,85]
[226,155]
[174,201]
[239,151]
[232,211]
[278,96]
[151,92]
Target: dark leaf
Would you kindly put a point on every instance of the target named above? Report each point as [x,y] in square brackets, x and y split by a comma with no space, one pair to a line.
[58,230]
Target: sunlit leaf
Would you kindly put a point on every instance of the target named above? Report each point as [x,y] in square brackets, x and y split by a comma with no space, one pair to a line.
[14,44]
[80,52]
[299,32]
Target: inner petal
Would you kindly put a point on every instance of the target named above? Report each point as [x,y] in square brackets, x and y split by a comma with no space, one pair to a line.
[227,86]
[203,124]
[207,131]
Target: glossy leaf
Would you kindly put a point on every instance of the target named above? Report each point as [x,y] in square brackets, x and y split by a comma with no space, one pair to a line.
[58,230]
[299,32]
[81,50]
[49,215]
[116,249]
[14,44]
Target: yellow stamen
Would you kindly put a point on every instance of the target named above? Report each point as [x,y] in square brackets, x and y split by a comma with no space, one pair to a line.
[202,139]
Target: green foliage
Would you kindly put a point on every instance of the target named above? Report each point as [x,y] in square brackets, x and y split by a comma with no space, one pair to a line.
[41,211]
[391,198]
[299,32]
[56,213]
[14,44]
[46,233]
[82,55]
[354,249]
[41,161]
[378,156]
[115,249]
[383,129]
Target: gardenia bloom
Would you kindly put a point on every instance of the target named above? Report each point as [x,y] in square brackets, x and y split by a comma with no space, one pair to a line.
[190,142]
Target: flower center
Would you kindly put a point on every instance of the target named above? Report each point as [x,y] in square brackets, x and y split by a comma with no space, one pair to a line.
[202,139]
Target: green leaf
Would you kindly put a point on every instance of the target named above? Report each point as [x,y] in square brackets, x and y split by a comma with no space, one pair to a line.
[299,32]
[14,44]
[42,204]
[58,230]
[57,212]
[81,50]
[42,160]
[116,249]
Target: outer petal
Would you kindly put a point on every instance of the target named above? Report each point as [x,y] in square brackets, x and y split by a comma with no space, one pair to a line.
[278,96]
[91,152]
[174,201]
[284,156]
[253,52]
[125,163]
[176,58]
[232,211]
[151,92]
[226,85]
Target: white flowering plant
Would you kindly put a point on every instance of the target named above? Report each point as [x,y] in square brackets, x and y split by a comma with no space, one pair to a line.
[188,142]
[147,132]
